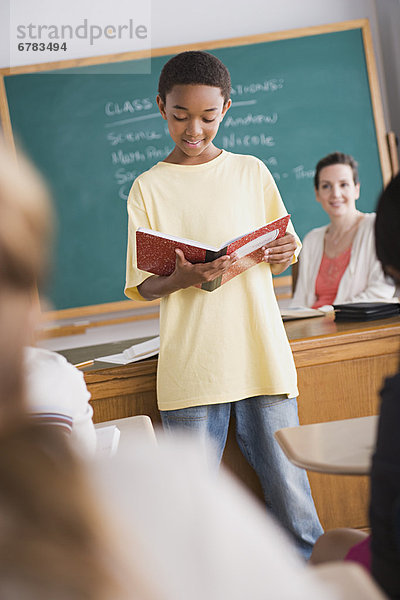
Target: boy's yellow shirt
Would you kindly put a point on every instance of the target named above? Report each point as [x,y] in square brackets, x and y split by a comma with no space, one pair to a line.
[228,344]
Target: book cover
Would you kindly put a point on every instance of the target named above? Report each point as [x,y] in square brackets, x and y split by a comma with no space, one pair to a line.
[156,251]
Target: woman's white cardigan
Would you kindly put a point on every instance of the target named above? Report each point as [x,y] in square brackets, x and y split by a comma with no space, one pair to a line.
[363,279]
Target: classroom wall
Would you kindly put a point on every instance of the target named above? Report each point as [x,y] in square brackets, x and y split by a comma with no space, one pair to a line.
[209,20]
[176,22]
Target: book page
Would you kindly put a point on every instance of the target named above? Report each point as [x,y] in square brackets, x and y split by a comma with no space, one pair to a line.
[119,359]
[143,348]
[248,248]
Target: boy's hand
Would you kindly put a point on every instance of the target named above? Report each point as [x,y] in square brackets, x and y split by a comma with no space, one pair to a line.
[280,251]
[187,274]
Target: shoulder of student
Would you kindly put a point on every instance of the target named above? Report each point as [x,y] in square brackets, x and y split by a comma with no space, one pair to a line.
[143,182]
[148,175]
[248,159]
[53,383]
[254,165]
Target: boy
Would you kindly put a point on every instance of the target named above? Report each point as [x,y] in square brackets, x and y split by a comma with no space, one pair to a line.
[226,350]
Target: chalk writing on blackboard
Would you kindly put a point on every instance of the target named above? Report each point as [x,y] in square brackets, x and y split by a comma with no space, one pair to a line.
[129,131]
[270,85]
[132,137]
[92,139]
[251,119]
[234,140]
[128,106]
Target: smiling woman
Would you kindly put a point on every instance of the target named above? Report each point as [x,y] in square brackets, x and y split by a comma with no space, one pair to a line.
[338,262]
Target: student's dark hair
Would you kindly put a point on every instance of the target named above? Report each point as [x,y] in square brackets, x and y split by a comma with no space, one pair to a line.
[336,158]
[387,225]
[194,67]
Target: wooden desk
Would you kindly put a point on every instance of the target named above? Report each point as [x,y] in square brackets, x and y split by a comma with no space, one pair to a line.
[342,447]
[340,371]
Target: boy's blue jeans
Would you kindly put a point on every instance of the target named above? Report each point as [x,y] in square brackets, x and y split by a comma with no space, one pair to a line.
[286,488]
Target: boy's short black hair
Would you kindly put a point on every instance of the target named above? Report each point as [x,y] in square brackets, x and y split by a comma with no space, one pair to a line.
[194,67]
[336,158]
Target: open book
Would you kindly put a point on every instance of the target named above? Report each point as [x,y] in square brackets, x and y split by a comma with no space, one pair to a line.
[156,251]
[134,353]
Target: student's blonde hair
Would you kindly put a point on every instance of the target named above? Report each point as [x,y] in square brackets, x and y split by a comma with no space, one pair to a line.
[51,538]
[25,221]
[25,226]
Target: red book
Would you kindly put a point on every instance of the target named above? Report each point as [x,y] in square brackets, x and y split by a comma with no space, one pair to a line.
[156,251]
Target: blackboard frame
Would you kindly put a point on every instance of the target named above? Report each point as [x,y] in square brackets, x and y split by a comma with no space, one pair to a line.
[376,101]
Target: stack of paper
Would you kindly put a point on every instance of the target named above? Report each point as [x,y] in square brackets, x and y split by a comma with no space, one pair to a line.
[143,348]
[300,312]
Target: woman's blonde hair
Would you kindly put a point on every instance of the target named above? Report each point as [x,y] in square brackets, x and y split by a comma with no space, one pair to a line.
[25,222]
[25,229]
[51,538]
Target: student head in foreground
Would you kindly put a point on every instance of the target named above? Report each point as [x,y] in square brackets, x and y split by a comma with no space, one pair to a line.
[51,544]
[185,533]
[338,262]
[387,229]
[385,472]
[379,553]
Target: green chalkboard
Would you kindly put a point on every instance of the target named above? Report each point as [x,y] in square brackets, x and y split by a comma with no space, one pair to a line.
[91,134]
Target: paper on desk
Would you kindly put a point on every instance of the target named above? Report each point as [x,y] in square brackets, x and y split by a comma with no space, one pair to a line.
[107,440]
[300,312]
[143,348]
[133,353]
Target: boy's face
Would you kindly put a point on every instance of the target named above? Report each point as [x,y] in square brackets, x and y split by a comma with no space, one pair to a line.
[193,113]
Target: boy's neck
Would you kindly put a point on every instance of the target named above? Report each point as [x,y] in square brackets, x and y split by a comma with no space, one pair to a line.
[177,157]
